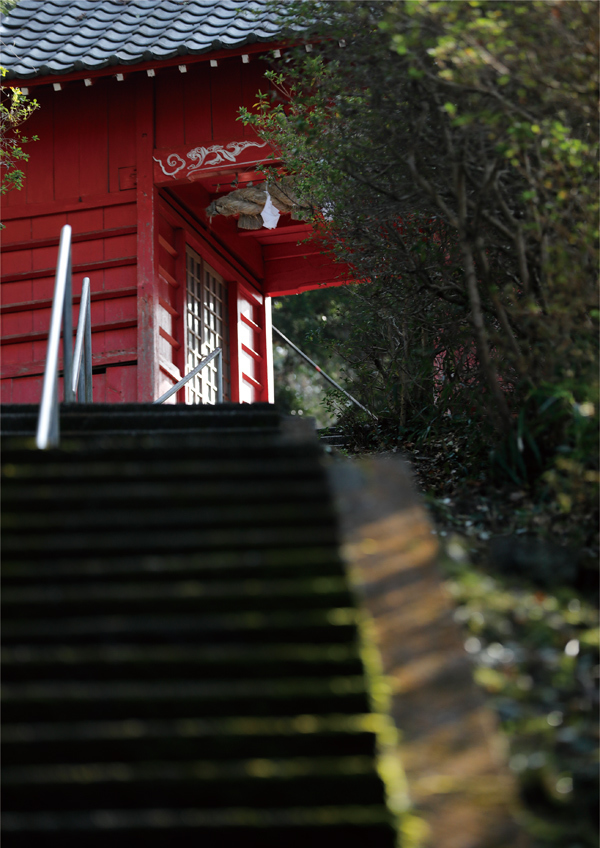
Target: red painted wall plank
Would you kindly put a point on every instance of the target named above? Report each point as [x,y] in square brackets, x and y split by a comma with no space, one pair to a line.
[39,321]
[71,204]
[121,309]
[15,231]
[120,277]
[121,384]
[43,287]
[6,391]
[86,221]
[93,138]
[13,198]
[253,81]
[85,252]
[17,353]
[94,235]
[86,267]
[18,262]
[196,101]
[36,365]
[29,390]
[120,216]
[43,258]
[49,226]
[121,128]
[17,322]
[115,248]
[124,339]
[29,305]
[40,351]
[226,96]
[66,143]
[39,181]
[170,128]
[99,388]
[17,292]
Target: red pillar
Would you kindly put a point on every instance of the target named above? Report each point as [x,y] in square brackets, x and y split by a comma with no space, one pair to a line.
[147,324]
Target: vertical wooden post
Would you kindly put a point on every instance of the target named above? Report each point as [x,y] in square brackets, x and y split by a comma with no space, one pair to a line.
[267,353]
[180,305]
[234,343]
[147,295]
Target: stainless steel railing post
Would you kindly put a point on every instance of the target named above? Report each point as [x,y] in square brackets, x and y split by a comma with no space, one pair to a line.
[77,385]
[48,430]
[217,352]
[82,380]
[69,394]
[87,357]
[220,376]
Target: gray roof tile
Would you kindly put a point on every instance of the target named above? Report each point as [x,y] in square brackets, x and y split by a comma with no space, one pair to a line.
[59,36]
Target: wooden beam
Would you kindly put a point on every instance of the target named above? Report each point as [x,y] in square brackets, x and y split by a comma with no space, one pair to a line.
[168,338]
[18,338]
[147,244]
[85,268]
[289,276]
[308,285]
[35,368]
[26,306]
[180,299]
[93,235]
[75,204]
[168,247]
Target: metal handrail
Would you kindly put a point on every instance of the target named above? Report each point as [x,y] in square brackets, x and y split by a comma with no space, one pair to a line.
[48,429]
[218,353]
[324,375]
[82,380]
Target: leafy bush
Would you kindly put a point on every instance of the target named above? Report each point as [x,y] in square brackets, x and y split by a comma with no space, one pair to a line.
[449,153]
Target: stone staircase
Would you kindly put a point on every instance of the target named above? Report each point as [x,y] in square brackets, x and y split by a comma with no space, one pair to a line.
[332,437]
[181,659]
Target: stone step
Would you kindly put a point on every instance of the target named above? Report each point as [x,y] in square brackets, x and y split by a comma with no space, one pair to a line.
[180,596]
[188,739]
[58,700]
[203,446]
[29,469]
[354,826]
[198,783]
[332,437]
[302,560]
[252,625]
[170,516]
[180,643]
[52,495]
[96,418]
[156,541]
[130,660]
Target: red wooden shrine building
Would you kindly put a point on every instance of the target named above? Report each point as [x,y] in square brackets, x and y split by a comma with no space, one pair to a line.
[138,133]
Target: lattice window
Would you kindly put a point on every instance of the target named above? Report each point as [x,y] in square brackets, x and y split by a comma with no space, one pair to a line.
[207,328]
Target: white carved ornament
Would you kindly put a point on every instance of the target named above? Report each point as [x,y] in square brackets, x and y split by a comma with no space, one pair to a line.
[205,157]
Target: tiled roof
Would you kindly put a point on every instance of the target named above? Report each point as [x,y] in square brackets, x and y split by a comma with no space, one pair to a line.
[42,37]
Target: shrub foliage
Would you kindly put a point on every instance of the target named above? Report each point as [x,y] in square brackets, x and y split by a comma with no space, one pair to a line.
[448,151]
